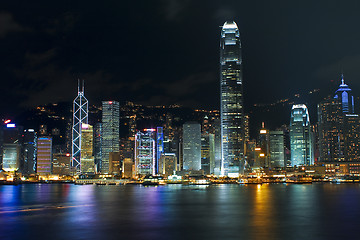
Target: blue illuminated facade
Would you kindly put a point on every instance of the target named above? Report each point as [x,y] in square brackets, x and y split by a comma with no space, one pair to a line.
[159,146]
[231,102]
[345,97]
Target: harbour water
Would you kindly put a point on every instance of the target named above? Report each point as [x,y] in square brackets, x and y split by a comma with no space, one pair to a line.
[267,211]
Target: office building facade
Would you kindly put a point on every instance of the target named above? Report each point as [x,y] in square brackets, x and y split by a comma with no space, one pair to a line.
[191,146]
[110,132]
[301,143]
[231,102]
[277,148]
[44,156]
[145,152]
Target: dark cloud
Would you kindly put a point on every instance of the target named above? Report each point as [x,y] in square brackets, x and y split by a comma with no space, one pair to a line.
[175,9]
[8,24]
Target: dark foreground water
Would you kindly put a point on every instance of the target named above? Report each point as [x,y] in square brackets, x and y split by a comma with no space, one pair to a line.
[276,211]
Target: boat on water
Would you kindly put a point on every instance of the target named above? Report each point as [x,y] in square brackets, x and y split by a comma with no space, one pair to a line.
[251,180]
[299,179]
[199,182]
[152,181]
[346,179]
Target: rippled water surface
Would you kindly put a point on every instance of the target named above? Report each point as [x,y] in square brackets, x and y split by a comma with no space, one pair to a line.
[275,211]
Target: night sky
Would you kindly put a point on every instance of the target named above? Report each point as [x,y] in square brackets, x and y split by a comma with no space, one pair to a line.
[167,51]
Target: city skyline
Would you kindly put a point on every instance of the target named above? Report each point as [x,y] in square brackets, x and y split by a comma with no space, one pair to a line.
[191,120]
[276,55]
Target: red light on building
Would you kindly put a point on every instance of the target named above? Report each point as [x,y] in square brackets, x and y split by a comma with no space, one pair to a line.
[68,154]
[110,102]
[7,121]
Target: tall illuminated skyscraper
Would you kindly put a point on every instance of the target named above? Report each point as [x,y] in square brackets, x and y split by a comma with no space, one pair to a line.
[87,149]
[231,106]
[345,97]
[331,131]
[110,132]
[44,156]
[277,156]
[10,145]
[80,117]
[301,143]
[145,152]
[29,152]
[192,146]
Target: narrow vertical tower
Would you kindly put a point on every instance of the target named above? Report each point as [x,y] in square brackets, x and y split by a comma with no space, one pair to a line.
[80,117]
[231,106]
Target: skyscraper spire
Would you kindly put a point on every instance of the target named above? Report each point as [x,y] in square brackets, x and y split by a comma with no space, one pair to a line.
[344,95]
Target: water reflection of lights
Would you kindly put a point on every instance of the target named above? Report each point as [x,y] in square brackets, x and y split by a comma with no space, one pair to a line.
[41,209]
[262,224]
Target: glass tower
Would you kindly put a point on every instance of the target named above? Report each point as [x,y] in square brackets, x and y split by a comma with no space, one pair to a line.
[231,107]
[110,132]
[300,137]
[191,146]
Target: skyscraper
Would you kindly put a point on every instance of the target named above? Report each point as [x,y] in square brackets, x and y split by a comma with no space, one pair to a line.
[191,146]
[87,147]
[110,132]
[80,117]
[277,156]
[301,143]
[345,97]
[44,156]
[29,152]
[231,97]
[145,152]
[331,131]
[11,144]
[264,144]
[208,153]
[159,146]
[97,146]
